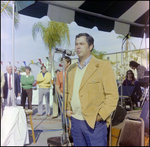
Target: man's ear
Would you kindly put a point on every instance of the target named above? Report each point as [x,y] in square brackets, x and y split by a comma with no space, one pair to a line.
[91,47]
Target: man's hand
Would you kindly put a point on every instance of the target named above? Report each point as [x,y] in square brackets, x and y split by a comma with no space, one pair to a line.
[61,94]
[98,118]
[133,82]
[18,94]
[69,113]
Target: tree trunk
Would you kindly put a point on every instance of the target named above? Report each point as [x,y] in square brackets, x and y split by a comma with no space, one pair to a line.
[50,63]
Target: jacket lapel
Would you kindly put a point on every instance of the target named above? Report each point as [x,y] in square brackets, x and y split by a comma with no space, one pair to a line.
[92,67]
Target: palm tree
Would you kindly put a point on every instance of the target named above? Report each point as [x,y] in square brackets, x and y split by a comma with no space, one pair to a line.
[97,54]
[8,11]
[126,57]
[53,35]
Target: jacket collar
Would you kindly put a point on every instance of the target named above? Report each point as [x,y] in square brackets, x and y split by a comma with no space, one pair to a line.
[92,67]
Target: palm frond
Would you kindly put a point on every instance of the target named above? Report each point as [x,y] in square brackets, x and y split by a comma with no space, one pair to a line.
[8,11]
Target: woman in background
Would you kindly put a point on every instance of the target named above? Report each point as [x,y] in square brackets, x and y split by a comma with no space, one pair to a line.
[131,81]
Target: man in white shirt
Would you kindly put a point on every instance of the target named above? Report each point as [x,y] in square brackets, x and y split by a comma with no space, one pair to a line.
[11,92]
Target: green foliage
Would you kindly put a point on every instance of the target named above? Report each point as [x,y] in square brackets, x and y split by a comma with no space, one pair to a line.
[97,54]
[22,69]
[8,11]
[53,33]
[128,55]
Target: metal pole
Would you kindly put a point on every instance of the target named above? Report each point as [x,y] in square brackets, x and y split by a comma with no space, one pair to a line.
[65,135]
[146,49]
[121,69]
[13,85]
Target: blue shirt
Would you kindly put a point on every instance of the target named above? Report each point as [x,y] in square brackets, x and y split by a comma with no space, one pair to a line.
[85,62]
[43,74]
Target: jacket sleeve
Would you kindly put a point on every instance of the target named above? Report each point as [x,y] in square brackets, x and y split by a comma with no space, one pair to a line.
[26,81]
[110,91]
[22,80]
[47,78]
[40,78]
[30,79]
[18,84]
[67,104]
[2,79]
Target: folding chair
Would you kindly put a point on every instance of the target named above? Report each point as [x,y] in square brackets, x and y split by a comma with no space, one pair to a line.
[126,95]
[132,133]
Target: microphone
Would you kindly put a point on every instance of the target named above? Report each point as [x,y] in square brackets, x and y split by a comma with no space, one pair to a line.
[127,36]
[68,52]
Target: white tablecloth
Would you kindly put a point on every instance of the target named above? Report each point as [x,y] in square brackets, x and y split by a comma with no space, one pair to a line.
[14,130]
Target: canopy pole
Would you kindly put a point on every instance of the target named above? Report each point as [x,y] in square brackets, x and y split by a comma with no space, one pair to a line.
[93,14]
[124,40]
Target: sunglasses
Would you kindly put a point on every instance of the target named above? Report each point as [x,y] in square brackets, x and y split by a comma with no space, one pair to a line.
[129,73]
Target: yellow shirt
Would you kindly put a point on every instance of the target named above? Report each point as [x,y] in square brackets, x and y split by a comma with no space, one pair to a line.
[44,82]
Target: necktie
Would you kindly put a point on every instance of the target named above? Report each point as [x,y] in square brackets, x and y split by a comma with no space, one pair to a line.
[9,81]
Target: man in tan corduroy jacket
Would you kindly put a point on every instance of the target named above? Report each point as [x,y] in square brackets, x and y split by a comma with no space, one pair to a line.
[91,95]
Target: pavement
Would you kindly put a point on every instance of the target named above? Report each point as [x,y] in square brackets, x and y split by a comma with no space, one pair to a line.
[44,127]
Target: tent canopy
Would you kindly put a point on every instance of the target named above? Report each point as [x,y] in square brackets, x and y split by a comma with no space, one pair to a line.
[121,16]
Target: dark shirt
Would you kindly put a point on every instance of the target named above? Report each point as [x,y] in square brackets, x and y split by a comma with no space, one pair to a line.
[137,93]
[43,74]
[127,82]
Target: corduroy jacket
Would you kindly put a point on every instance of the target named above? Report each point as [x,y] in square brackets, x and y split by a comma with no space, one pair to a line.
[98,91]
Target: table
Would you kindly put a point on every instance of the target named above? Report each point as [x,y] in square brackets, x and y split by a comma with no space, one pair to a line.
[14,129]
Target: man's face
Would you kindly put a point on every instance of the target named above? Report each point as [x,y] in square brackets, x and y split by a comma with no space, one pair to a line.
[27,71]
[43,70]
[9,70]
[83,50]
[15,69]
[18,72]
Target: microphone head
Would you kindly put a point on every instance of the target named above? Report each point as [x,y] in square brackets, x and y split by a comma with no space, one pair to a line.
[73,52]
[70,52]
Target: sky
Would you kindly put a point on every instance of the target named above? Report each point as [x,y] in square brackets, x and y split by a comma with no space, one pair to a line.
[27,49]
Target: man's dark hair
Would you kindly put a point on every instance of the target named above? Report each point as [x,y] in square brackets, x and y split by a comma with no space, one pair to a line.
[133,64]
[43,66]
[28,67]
[89,39]
[57,70]
[68,59]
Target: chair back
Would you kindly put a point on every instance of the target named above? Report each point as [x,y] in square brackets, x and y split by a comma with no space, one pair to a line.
[132,133]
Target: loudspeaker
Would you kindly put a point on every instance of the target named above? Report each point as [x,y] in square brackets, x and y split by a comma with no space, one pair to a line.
[118,115]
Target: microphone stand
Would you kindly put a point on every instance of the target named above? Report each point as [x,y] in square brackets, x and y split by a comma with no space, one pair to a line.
[123,41]
[64,137]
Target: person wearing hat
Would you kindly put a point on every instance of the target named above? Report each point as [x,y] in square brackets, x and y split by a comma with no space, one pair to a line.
[27,80]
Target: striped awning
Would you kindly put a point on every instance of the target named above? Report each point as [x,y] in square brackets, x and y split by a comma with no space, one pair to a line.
[121,16]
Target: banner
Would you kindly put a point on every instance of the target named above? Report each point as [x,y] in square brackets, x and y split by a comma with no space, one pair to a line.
[40,61]
[32,62]
[24,63]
